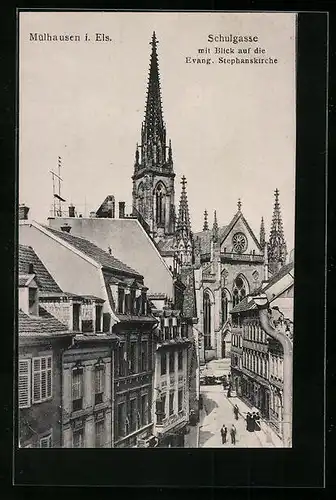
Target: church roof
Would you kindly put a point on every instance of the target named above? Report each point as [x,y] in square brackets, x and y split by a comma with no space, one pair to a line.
[189,300]
[204,237]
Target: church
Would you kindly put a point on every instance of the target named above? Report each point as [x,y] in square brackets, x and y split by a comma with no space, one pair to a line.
[228,261]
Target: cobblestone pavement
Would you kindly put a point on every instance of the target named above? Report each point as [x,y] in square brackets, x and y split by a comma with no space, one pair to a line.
[218,410]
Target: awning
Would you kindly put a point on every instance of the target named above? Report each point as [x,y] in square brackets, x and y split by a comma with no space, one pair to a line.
[179,428]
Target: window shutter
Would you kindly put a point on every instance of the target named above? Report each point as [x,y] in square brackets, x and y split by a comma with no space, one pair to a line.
[36,380]
[24,383]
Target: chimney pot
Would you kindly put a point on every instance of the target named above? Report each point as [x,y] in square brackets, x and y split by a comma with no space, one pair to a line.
[23,212]
[121,209]
[71,211]
[66,228]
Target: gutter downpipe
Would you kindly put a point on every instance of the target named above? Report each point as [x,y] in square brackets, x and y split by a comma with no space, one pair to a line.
[263,307]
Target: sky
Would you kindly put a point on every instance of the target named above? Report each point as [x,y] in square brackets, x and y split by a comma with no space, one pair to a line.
[232,127]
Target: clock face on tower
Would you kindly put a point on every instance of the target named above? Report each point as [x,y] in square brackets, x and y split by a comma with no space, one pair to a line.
[239,242]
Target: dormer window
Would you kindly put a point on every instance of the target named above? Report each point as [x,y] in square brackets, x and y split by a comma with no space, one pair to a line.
[76,317]
[99,313]
[31,269]
[32,301]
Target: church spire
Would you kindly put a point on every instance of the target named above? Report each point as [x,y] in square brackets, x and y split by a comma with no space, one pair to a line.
[215,227]
[277,249]
[205,224]
[153,134]
[183,221]
[262,232]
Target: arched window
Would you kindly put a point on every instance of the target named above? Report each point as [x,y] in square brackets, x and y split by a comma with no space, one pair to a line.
[160,205]
[239,290]
[207,320]
[225,306]
[141,198]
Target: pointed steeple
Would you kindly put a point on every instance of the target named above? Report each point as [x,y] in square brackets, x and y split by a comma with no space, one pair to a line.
[183,221]
[153,133]
[262,232]
[277,248]
[215,227]
[205,224]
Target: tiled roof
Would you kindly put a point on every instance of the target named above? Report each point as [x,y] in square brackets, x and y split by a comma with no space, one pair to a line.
[189,300]
[94,252]
[44,279]
[244,305]
[167,244]
[44,324]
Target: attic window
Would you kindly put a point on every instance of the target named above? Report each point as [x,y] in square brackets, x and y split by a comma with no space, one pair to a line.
[32,293]
[31,269]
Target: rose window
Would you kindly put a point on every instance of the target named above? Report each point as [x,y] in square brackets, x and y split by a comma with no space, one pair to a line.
[239,242]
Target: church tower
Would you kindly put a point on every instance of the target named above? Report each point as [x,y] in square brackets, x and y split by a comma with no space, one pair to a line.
[277,248]
[153,179]
[183,232]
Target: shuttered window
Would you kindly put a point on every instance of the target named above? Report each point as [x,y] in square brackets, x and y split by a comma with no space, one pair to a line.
[42,379]
[46,441]
[24,383]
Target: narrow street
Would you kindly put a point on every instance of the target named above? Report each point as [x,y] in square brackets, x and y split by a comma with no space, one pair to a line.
[218,410]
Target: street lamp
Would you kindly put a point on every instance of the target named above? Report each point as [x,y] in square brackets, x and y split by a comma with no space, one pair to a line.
[263,307]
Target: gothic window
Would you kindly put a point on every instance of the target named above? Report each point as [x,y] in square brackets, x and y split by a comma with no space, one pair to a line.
[141,198]
[207,320]
[160,205]
[239,290]
[224,304]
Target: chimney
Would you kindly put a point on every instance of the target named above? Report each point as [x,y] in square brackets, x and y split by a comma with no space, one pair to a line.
[71,210]
[121,209]
[66,228]
[93,215]
[23,212]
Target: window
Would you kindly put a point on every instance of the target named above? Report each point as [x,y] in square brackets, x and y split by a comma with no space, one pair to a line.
[42,379]
[78,438]
[160,205]
[24,383]
[224,303]
[99,310]
[171,362]
[100,434]
[207,320]
[132,301]
[180,360]
[121,360]
[121,300]
[133,358]
[77,389]
[239,291]
[99,379]
[32,297]
[133,415]
[121,420]
[144,356]
[46,441]
[171,403]
[161,409]
[143,303]
[180,400]
[75,317]
[163,363]
[144,409]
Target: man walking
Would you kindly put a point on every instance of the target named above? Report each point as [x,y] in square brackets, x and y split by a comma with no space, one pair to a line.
[233,433]
[236,411]
[223,432]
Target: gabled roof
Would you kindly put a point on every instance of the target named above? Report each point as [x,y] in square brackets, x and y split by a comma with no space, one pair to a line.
[45,281]
[97,254]
[248,303]
[44,324]
[235,219]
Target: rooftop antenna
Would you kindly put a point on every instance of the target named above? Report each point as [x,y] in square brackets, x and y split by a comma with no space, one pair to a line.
[57,195]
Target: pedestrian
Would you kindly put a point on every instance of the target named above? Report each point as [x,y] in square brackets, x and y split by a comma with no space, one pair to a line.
[233,433]
[229,392]
[236,411]
[249,422]
[223,432]
[257,422]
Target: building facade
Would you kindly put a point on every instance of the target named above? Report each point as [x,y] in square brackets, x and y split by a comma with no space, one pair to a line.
[257,359]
